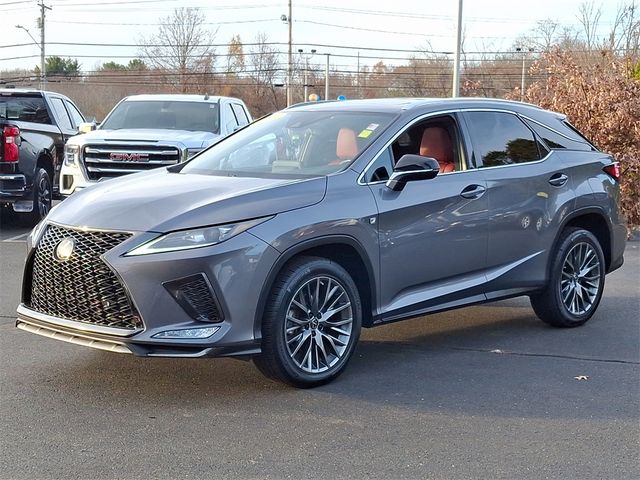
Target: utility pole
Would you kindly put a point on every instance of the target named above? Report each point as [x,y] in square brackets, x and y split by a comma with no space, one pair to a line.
[326,79]
[455,89]
[43,73]
[305,83]
[289,66]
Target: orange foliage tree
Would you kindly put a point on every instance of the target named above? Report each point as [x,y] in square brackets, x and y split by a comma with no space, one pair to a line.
[601,97]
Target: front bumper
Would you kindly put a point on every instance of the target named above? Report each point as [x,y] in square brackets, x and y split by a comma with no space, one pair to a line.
[236,270]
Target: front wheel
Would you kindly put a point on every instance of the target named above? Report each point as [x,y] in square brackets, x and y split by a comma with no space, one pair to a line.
[311,323]
[576,281]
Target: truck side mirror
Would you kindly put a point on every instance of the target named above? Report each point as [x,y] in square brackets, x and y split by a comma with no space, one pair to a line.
[86,127]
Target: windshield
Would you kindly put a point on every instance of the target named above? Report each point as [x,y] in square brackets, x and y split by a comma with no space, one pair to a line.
[302,143]
[173,115]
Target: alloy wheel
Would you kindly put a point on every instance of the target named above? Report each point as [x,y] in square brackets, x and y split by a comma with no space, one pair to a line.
[318,326]
[580,279]
[43,196]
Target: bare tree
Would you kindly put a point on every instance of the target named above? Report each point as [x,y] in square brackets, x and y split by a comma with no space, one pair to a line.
[182,49]
[589,18]
[625,33]
[264,71]
[235,56]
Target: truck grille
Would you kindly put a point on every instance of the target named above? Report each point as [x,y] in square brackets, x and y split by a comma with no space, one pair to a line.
[108,161]
[82,288]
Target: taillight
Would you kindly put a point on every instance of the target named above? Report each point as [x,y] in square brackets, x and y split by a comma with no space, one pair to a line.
[11,144]
[613,170]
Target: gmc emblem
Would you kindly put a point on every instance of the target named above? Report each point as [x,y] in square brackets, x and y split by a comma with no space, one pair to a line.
[128,157]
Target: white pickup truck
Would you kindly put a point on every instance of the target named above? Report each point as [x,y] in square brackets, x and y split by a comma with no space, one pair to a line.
[148,131]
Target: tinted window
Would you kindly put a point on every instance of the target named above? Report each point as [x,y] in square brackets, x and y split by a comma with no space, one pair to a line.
[241,116]
[172,115]
[76,117]
[556,141]
[24,109]
[61,113]
[501,139]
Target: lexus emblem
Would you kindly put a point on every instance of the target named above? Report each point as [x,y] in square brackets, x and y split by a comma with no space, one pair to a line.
[64,249]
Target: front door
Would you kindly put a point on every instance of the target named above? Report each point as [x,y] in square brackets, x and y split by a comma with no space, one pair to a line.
[433,233]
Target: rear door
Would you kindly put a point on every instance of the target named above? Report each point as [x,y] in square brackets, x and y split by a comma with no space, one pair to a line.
[433,233]
[528,193]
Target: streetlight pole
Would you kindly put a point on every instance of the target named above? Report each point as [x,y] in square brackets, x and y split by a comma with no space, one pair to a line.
[524,70]
[455,88]
[43,11]
[326,78]
[306,70]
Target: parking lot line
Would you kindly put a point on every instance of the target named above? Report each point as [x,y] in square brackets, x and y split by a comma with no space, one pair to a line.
[17,238]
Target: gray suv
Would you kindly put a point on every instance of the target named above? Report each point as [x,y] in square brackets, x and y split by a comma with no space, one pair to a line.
[283,240]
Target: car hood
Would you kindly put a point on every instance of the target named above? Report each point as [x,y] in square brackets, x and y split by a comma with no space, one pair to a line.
[161,201]
[151,135]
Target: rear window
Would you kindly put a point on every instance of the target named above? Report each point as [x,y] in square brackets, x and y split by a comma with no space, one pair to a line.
[24,109]
[566,138]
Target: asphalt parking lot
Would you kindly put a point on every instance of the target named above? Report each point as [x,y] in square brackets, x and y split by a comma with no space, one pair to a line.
[482,392]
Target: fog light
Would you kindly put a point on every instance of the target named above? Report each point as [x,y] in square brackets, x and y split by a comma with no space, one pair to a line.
[205,332]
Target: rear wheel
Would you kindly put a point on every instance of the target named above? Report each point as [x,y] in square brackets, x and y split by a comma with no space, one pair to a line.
[311,323]
[42,192]
[576,281]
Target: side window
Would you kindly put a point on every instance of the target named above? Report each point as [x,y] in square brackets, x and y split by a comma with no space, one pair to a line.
[556,141]
[502,139]
[76,116]
[61,113]
[231,121]
[381,168]
[241,116]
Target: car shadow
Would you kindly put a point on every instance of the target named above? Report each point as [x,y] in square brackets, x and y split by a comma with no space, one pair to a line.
[449,362]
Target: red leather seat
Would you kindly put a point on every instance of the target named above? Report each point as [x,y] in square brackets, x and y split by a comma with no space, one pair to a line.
[436,144]
[346,146]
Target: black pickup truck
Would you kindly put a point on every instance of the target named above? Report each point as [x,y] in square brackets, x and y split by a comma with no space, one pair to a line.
[34,126]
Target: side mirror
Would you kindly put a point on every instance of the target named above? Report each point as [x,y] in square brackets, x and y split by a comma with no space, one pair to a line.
[86,127]
[410,168]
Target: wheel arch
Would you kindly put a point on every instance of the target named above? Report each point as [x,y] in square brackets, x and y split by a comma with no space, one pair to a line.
[344,250]
[594,220]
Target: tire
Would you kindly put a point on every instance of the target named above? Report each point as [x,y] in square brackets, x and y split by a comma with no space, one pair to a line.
[301,345]
[576,281]
[41,198]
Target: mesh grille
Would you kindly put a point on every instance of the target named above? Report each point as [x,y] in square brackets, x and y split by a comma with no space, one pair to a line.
[198,295]
[82,288]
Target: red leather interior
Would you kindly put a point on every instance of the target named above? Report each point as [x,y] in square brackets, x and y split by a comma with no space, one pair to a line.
[346,144]
[436,143]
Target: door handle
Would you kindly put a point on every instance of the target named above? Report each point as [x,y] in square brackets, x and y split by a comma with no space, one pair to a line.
[473,191]
[558,179]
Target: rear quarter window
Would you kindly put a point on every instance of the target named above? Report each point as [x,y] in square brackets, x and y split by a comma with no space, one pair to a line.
[563,137]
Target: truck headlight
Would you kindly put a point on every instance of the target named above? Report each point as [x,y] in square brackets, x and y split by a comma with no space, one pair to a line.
[191,152]
[193,238]
[71,155]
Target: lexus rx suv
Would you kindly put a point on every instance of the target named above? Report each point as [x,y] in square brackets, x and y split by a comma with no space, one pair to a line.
[284,239]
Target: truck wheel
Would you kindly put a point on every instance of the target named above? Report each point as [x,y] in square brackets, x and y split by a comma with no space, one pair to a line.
[311,323]
[576,281]
[41,197]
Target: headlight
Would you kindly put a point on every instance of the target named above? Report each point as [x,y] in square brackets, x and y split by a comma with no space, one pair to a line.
[71,154]
[194,238]
[191,152]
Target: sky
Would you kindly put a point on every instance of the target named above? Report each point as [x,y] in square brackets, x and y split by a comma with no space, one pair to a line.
[488,25]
